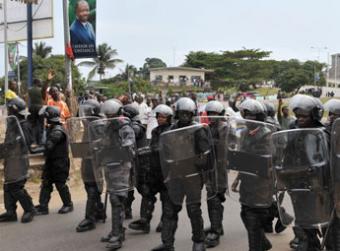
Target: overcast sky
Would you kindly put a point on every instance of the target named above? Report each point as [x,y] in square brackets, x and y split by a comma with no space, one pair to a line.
[169,29]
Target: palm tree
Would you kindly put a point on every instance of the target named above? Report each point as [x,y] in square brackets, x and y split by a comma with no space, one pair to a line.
[40,49]
[105,60]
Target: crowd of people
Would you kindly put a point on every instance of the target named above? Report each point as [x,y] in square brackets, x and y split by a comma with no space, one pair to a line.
[170,149]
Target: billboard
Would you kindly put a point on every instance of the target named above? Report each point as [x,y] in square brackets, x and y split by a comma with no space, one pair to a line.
[42,12]
[82,18]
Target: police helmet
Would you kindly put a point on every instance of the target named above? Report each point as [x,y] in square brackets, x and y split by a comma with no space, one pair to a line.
[130,110]
[17,106]
[307,104]
[163,109]
[90,107]
[215,106]
[333,106]
[111,107]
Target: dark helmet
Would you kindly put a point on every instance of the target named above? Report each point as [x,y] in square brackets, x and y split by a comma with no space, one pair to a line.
[270,109]
[163,109]
[307,104]
[90,107]
[111,107]
[215,106]
[130,110]
[52,114]
[17,106]
[253,107]
[333,106]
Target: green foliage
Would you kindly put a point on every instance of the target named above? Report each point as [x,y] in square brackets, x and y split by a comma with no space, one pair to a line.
[105,60]
[150,63]
[56,63]
[40,49]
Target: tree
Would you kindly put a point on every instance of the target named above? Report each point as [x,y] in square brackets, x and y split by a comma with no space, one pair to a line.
[40,49]
[41,66]
[150,63]
[105,60]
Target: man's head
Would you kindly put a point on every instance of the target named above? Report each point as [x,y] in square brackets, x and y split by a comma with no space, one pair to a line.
[13,85]
[54,92]
[185,110]
[82,10]
[333,108]
[163,114]
[252,109]
[285,111]
[37,82]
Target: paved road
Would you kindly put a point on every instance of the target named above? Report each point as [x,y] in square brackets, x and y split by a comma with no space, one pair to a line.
[57,232]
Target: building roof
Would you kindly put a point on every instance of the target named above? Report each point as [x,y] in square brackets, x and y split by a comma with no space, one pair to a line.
[181,69]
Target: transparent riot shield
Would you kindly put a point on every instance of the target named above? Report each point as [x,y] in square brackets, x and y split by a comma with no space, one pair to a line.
[218,127]
[15,152]
[78,132]
[249,162]
[112,145]
[249,150]
[302,177]
[335,164]
[188,163]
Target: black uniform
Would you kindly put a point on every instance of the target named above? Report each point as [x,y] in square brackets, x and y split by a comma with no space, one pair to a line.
[15,191]
[56,168]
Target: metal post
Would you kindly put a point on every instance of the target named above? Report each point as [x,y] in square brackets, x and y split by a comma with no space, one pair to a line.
[68,66]
[6,45]
[29,46]
[336,69]
[18,67]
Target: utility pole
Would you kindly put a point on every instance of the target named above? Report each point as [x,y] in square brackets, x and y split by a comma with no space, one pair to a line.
[68,66]
[6,45]
[29,45]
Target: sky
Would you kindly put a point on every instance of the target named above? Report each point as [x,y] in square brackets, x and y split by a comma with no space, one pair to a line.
[170,29]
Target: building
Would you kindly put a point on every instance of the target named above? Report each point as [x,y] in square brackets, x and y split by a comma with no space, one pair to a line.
[180,76]
[333,76]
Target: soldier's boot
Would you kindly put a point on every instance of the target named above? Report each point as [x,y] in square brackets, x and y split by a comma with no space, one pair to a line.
[128,205]
[168,235]
[146,210]
[255,231]
[299,240]
[117,232]
[215,210]
[198,246]
[10,205]
[65,196]
[44,198]
[25,201]
[268,220]
[195,215]
[287,220]
[89,222]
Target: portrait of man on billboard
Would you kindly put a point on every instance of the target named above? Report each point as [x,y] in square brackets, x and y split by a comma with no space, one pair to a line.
[82,31]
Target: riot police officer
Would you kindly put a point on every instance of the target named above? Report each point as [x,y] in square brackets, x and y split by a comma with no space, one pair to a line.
[218,127]
[113,149]
[256,192]
[308,112]
[151,180]
[333,108]
[57,164]
[89,110]
[131,112]
[177,188]
[17,142]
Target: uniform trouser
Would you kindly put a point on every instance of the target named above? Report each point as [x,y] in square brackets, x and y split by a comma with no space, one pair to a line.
[253,219]
[56,171]
[93,202]
[170,219]
[215,210]
[117,213]
[335,234]
[37,123]
[14,192]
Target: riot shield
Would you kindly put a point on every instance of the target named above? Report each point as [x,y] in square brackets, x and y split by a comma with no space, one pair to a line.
[249,149]
[15,152]
[219,127]
[112,145]
[301,170]
[188,163]
[78,132]
[335,164]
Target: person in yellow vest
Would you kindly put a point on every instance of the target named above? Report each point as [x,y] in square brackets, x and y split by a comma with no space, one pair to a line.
[11,93]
